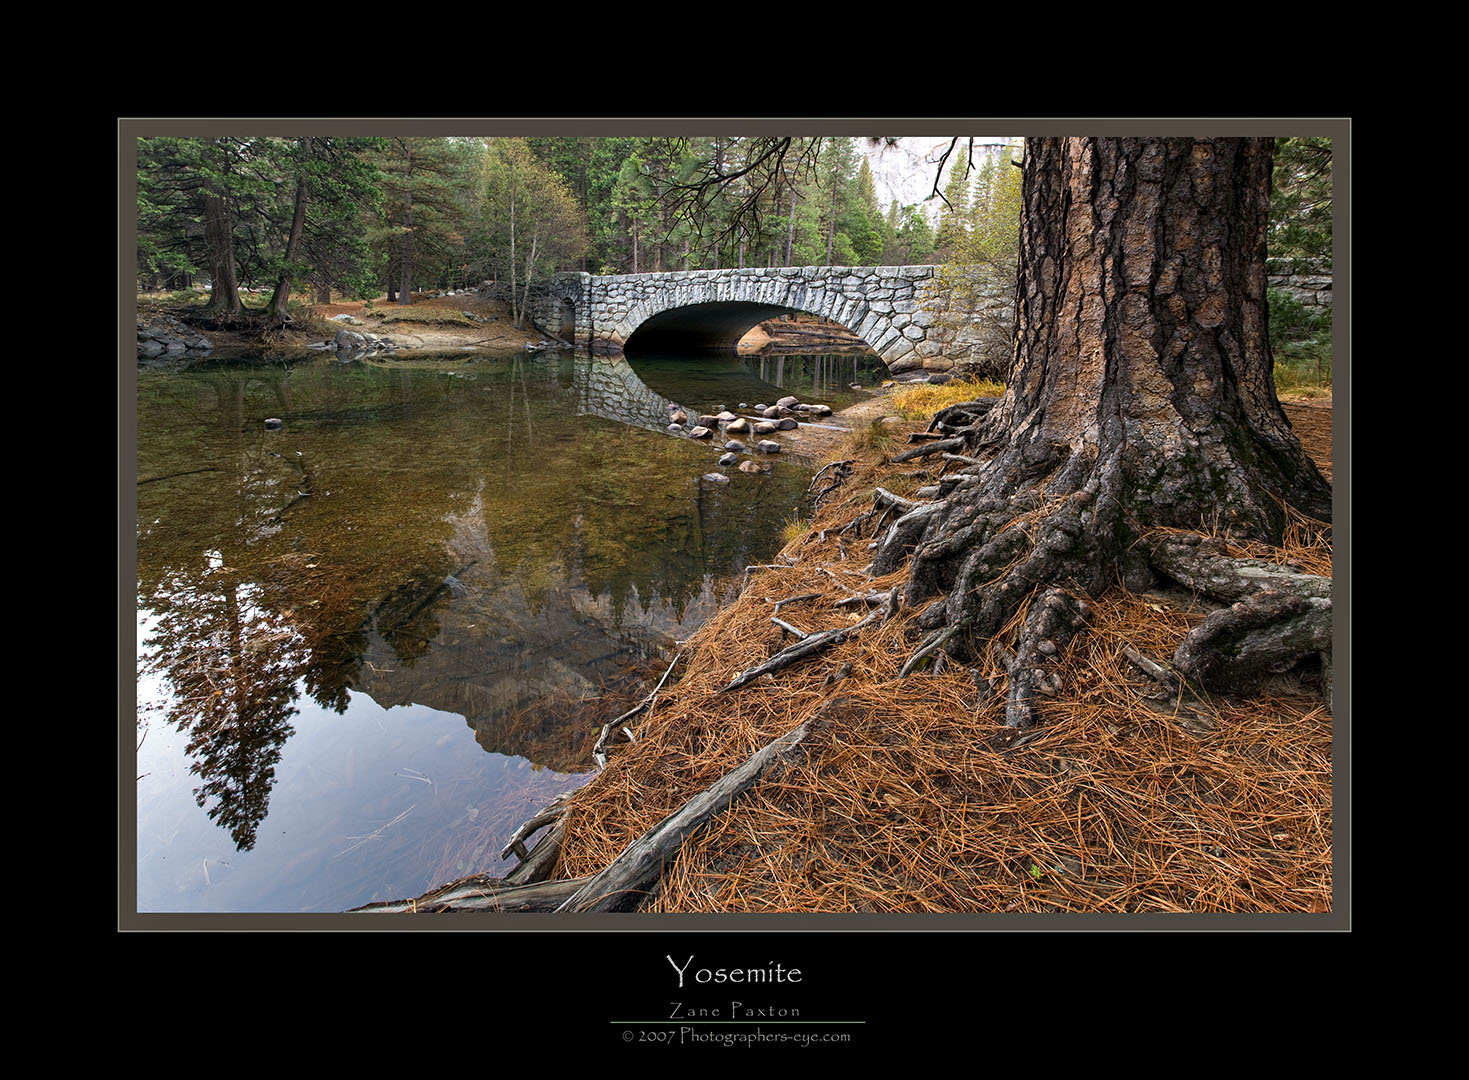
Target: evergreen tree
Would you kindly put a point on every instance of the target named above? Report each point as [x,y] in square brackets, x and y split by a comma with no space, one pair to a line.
[1300,198]
[425,187]
[953,218]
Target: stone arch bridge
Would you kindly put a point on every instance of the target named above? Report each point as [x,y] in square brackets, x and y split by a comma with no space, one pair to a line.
[900,311]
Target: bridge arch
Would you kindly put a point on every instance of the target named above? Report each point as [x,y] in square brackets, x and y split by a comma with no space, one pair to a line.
[897,310]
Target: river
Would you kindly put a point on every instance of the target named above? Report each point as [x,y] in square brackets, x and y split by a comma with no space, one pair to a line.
[366,640]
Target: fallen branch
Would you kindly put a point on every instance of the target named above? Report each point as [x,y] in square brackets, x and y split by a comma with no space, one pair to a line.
[630,877]
[811,645]
[599,751]
[789,629]
[516,843]
[796,599]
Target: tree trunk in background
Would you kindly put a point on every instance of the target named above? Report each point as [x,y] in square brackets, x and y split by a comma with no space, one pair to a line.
[280,299]
[405,289]
[219,239]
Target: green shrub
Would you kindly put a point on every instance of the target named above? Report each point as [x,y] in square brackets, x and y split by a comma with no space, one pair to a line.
[1300,341]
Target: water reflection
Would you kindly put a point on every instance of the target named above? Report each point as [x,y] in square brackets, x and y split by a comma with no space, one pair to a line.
[475,536]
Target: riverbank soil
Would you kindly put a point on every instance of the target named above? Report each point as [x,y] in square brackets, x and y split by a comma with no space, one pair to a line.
[396,321]
[1128,798]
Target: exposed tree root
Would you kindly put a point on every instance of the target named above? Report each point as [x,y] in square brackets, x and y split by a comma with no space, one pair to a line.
[1277,616]
[1050,526]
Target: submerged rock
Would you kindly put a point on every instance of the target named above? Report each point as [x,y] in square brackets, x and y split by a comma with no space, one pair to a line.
[716,478]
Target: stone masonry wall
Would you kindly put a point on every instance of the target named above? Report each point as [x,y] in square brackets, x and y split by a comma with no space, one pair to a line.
[1307,280]
[910,317]
[898,310]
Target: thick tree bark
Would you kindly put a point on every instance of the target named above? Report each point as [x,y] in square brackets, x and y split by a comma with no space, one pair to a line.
[1141,395]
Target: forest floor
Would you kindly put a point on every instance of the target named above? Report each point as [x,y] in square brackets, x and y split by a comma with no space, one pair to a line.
[1124,801]
[900,799]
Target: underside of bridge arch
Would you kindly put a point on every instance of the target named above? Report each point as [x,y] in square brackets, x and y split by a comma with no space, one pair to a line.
[700,326]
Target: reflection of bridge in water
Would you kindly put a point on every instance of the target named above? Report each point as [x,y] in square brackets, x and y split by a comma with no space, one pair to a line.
[608,387]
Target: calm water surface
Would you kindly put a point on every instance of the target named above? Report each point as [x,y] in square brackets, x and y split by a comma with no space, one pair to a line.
[363,638]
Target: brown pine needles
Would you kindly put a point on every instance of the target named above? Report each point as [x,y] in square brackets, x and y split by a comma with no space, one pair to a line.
[899,802]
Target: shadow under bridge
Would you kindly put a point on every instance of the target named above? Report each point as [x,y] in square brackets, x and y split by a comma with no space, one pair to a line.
[712,326]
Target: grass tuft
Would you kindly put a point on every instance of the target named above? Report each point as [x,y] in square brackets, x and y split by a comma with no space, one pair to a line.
[923,400]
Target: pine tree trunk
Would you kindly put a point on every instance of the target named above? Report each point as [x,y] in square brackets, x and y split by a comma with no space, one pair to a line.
[791,228]
[280,298]
[1141,395]
[405,290]
[219,239]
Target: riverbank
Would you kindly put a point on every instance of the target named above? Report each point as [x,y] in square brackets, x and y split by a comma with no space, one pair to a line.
[900,797]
